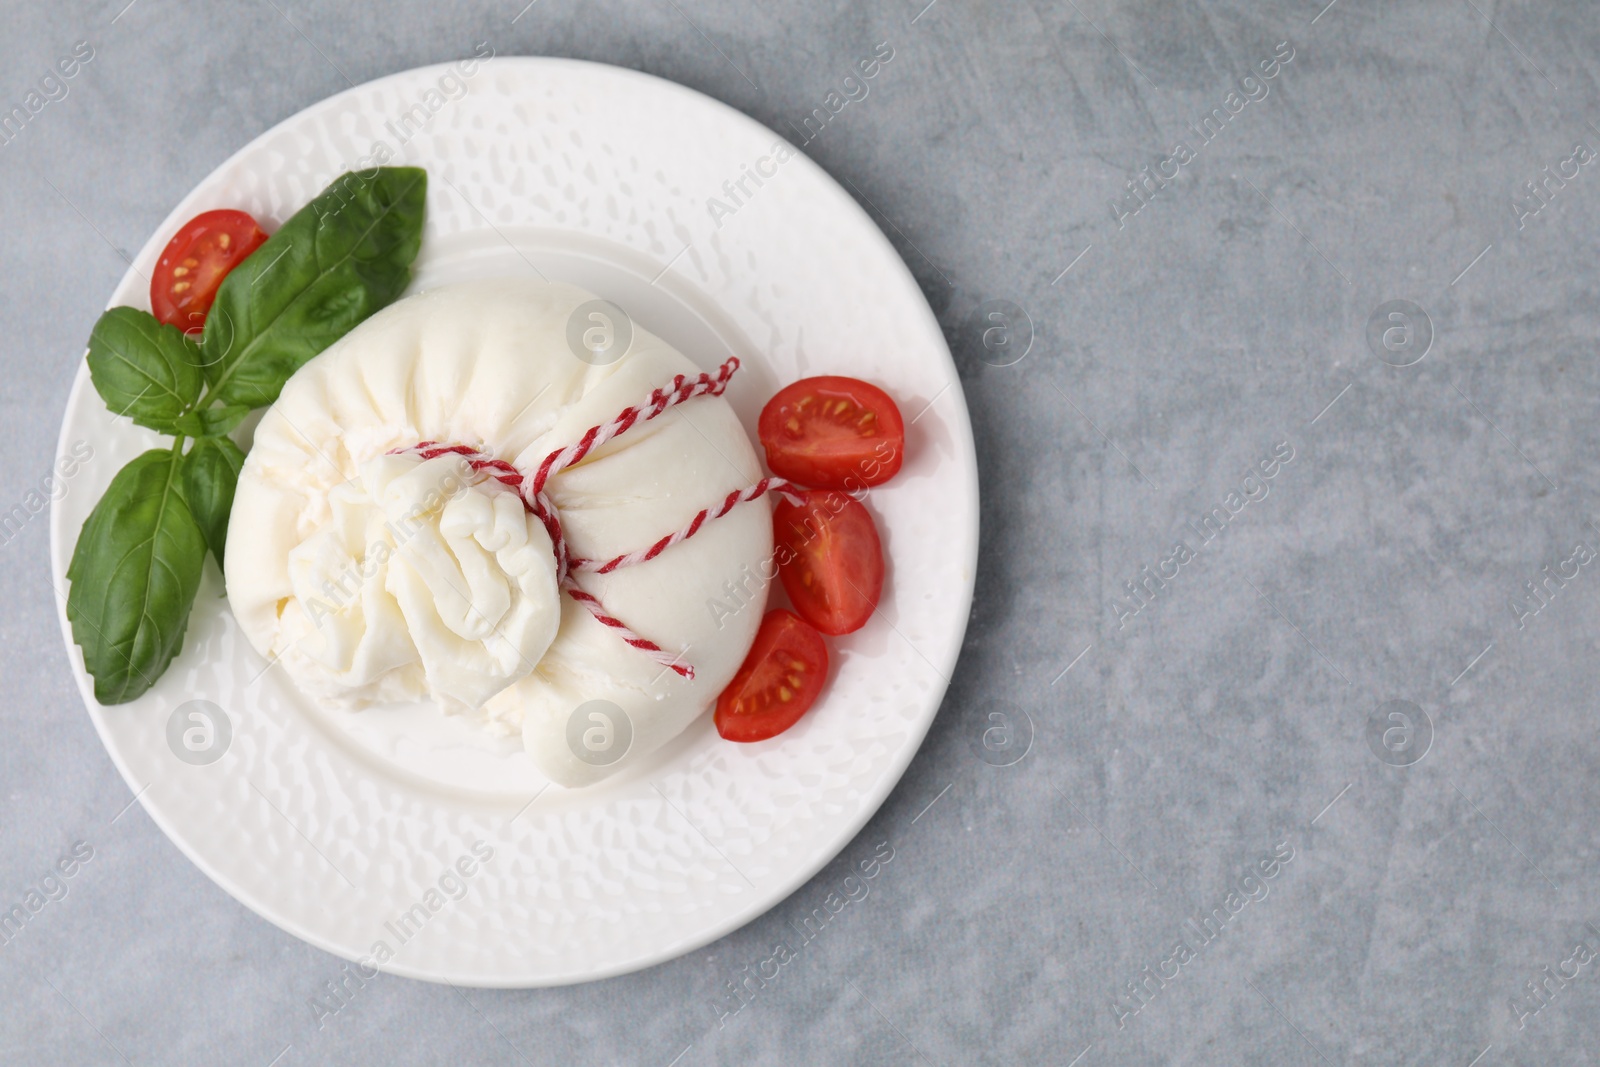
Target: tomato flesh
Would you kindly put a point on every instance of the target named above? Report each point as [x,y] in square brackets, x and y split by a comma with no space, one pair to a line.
[829,559]
[833,433]
[195,261]
[778,681]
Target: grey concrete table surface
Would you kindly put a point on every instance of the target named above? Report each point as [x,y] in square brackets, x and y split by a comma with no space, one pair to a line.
[1273,737]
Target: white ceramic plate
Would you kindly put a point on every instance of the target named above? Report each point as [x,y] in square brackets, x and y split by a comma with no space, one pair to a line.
[345,834]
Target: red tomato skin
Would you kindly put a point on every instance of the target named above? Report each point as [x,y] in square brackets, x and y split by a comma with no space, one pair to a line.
[197,250]
[781,633]
[805,444]
[832,539]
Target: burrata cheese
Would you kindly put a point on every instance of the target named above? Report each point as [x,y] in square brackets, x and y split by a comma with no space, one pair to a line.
[374,577]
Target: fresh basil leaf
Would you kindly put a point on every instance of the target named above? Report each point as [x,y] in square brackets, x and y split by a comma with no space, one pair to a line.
[340,258]
[134,574]
[143,368]
[212,422]
[210,474]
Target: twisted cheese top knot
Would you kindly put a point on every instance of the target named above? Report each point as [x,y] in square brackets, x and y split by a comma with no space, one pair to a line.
[425,577]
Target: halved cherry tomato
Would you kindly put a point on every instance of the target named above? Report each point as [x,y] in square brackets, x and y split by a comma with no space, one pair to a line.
[778,681]
[829,559]
[833,433]
[194,263]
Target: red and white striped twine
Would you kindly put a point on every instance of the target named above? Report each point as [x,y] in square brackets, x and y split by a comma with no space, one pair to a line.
[539,504]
